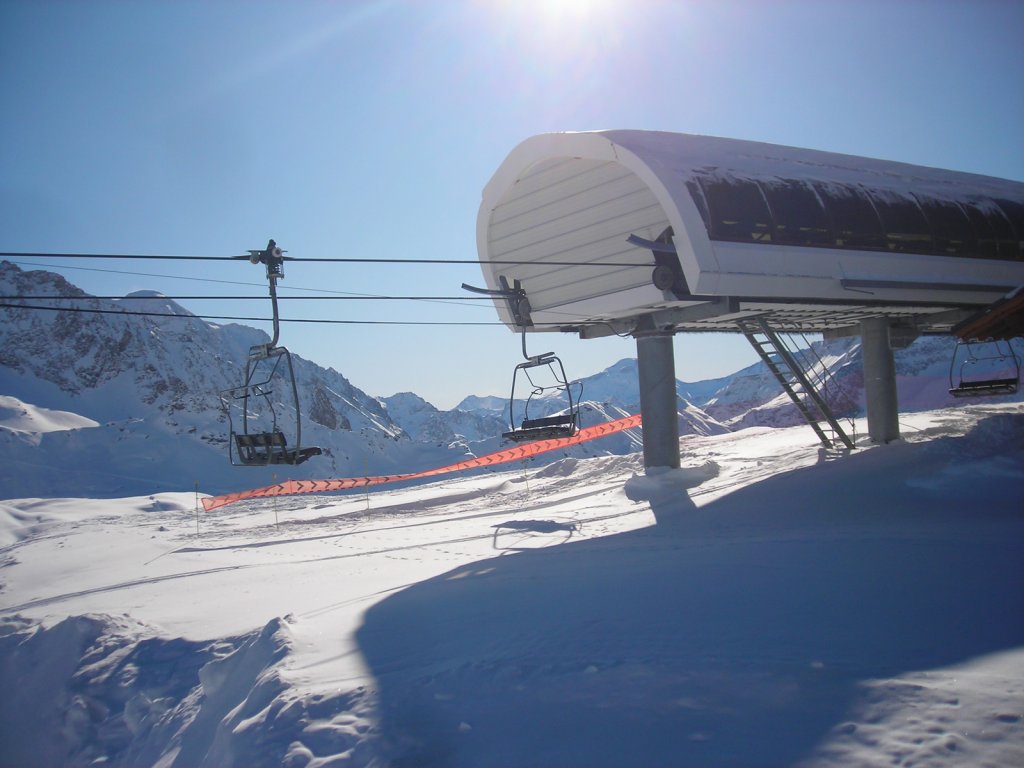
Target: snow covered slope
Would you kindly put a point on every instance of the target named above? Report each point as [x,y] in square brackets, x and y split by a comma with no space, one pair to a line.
[32,423]
[149,387]
[769,604]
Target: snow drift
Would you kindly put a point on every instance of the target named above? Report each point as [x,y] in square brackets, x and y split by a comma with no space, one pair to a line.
[792,606]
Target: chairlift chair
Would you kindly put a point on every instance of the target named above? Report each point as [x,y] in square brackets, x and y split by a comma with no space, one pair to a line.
[260,440]
[563,424]
[554,384]
[252,446]
[979,368]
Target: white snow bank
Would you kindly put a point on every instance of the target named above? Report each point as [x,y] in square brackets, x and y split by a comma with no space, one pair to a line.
[804,608]
[21,417]
[26,518]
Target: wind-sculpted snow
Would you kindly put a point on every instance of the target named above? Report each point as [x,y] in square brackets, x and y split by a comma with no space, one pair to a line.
[769,603]
[112,691]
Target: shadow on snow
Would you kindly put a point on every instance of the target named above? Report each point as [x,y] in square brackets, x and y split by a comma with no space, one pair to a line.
[736,633]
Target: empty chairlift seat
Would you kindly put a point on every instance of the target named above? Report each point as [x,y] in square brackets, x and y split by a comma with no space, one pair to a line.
[547,383]
[270,448]
[547,428]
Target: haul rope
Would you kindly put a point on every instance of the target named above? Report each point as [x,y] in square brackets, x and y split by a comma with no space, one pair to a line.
[291,487]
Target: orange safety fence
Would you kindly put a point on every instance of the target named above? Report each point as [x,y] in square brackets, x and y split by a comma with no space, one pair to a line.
[291,487]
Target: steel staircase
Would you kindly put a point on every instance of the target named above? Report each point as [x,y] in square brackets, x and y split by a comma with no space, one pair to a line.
[805,381]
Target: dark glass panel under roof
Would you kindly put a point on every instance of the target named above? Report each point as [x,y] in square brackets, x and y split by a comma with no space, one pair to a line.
[737,209]
[1015,213]
[697,194]
[906,229]
[797,212]
[782,211]
[992,230]
[855,222]
[952,233]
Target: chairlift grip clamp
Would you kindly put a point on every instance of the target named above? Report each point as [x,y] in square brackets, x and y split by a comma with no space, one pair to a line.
[273,257]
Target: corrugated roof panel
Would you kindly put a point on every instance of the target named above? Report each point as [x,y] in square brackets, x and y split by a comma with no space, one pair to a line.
[600,194]
[546,173]
[611,250]
[622,193]
[612,221]
[590,284]
[569,178]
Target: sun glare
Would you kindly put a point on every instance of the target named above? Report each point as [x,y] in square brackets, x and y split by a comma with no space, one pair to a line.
[558,29]
[570,9]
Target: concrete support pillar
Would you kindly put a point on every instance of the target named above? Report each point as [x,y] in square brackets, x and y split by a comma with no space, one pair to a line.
[879,381]
[657,371]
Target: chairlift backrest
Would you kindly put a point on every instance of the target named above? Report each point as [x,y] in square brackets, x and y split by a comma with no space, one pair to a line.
[986,367]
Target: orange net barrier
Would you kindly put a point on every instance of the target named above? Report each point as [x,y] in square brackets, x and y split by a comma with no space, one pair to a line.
[292,487]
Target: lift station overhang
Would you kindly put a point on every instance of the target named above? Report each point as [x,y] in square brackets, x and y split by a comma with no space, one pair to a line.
[811,240]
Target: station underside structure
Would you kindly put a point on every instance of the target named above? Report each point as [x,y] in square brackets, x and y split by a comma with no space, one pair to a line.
[651,234]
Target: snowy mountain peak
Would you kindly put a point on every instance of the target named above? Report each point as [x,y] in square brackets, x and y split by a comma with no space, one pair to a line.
[19,282]
[490,403]
[154,383]
[152,302]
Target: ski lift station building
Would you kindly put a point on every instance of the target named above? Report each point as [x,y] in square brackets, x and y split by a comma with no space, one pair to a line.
[651,233]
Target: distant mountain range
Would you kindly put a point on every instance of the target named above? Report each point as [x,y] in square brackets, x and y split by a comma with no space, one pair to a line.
[109,404]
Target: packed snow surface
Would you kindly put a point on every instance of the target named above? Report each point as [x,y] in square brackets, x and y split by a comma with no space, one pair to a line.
[771,603]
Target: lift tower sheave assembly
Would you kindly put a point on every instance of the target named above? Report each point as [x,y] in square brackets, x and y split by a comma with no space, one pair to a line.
[258,433]
[650,233]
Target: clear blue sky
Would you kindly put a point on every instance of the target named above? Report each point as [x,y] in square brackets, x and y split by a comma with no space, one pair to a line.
[369,128]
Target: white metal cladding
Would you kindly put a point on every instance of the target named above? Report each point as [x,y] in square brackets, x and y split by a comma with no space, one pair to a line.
[575,210]
[576,197]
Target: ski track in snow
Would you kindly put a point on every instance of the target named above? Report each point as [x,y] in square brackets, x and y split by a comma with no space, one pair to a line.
[792,606]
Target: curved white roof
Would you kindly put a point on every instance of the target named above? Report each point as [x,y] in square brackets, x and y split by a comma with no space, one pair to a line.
[557,214]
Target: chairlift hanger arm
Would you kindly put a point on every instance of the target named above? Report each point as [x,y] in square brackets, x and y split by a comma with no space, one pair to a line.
[658,246]
[515,295]
[519,306]
[273,257]
[499,294]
